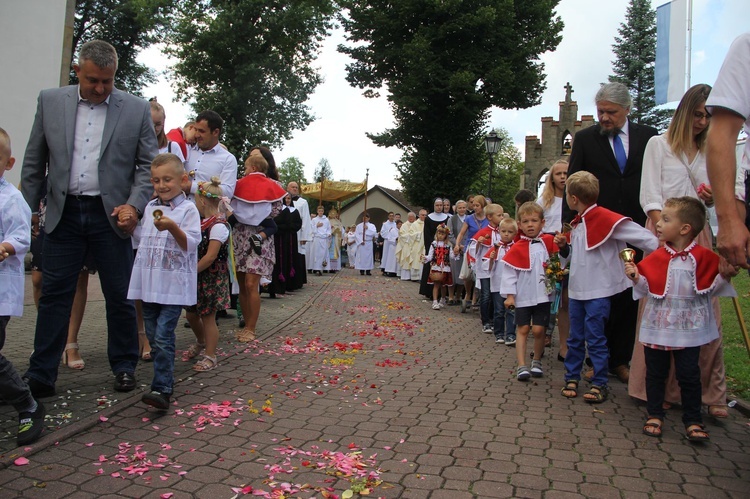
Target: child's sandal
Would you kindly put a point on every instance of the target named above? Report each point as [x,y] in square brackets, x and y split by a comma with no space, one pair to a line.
[596,394]
[194,350]
[245,335]
[570,386]
[696,433]
[652,427]
[205,364]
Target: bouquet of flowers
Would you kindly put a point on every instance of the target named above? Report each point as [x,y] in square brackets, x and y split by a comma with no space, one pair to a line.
[553,276]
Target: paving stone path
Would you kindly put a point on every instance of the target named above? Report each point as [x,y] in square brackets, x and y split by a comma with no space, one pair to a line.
[355,385]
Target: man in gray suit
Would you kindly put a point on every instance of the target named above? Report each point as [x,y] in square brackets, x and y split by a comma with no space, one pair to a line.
[94,145]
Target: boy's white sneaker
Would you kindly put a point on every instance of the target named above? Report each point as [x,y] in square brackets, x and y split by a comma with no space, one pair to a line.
[435,305]
[442,303]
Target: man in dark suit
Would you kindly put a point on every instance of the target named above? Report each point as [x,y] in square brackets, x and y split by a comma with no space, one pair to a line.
[613,151]
[94,145]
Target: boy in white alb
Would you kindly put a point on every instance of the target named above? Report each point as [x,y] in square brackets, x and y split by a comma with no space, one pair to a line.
[165,272]
[597,238]
[364,233]
[522,283]
[504,319]
[479,245]
[321,240]
[15,239]
[678,281]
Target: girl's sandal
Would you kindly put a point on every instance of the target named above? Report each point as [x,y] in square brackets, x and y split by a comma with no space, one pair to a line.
[572,388]
[205,364]
[696,433]
[596,394]
[245,335]
[652,427]
[194,350]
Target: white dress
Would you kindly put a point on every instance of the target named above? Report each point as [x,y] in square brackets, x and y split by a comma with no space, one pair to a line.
[15,229]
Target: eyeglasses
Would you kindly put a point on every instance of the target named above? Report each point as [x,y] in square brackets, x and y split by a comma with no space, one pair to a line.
[699,116]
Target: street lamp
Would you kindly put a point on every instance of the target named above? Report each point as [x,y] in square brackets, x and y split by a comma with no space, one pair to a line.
[492,145]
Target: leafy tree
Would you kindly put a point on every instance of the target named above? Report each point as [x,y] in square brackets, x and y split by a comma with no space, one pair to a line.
[130,26]
[250,61]
[444,65]
[635,51]
[292,170]
[505,175]
[323,171]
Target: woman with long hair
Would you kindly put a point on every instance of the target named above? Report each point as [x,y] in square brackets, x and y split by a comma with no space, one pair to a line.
[674,165]
[551,201]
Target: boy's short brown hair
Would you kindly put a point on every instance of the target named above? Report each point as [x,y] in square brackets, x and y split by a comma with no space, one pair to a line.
[690,211]
[168,158]
[584,186]
[258,162]
[530,208]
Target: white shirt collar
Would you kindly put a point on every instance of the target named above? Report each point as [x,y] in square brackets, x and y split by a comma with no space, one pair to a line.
[78,89]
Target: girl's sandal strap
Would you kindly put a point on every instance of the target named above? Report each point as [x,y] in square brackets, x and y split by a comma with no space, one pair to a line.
[696,433]
[194,350]
[205,364]
[245,336]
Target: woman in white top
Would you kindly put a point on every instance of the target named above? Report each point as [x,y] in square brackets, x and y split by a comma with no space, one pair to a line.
[674,165]
[551,201]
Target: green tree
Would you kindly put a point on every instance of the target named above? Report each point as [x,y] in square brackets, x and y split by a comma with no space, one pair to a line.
[444,64]
[506,175]
[250,61]
[635,51]
[292,170]
[323,171]
[130,26]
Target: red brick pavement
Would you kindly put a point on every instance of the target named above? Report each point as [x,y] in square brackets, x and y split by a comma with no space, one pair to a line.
[355,367]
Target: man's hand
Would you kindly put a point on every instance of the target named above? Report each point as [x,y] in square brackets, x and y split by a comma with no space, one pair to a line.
[127,217]
[733,241]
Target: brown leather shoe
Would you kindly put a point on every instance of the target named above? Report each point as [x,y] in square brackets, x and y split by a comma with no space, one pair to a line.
[622,373]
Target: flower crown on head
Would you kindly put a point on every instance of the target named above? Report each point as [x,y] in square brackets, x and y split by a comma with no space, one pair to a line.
[443,228]
[207,194]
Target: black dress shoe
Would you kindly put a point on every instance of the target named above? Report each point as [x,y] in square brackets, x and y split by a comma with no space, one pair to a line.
[30,425]
[124,382]
[368,272]
[39,389]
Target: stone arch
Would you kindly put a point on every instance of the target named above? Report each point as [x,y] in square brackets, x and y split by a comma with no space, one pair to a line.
[377,216]
[541,178]
[567,143]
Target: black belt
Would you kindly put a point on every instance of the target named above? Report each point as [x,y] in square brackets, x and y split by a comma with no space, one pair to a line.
[81,197]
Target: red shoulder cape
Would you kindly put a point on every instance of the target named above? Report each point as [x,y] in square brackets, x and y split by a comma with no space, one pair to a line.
[175,135]
[257,188]
[599,223]
[655,268]
[518,254]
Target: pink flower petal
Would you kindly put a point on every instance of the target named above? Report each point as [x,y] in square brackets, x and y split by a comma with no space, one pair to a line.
[103,419]
[166,495]
[21,461]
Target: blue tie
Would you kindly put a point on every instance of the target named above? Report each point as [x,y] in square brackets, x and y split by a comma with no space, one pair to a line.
[619,152]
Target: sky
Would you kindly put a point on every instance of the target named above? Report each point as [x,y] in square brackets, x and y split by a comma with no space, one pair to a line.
[583,58]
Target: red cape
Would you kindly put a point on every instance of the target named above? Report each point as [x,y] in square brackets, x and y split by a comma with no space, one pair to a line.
[655,268]
[257,188]
[599,224]
[518,255]
[175,135]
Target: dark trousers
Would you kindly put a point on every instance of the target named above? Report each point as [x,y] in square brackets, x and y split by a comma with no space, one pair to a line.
[620,328]
[84,228]
[12,388]
[688,374]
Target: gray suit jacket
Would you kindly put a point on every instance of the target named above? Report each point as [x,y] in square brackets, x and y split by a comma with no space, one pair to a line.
[128,147]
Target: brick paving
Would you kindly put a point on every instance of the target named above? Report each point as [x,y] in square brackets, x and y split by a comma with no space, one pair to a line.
[347,368]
